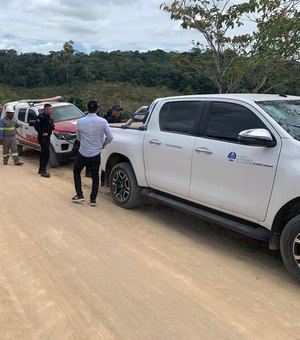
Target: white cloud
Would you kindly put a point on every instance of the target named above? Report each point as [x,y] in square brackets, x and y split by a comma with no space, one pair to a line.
[44,25]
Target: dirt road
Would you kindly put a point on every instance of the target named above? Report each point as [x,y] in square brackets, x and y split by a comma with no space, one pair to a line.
[81,272]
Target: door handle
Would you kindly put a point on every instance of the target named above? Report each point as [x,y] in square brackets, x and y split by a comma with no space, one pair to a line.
[155,141]
[204,150]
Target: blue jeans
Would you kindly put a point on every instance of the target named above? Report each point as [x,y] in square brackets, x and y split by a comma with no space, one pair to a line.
[93,163]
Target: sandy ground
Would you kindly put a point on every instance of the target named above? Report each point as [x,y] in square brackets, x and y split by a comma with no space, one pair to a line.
[72,271]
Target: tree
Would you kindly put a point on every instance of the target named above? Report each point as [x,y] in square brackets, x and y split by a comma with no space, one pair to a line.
[277,39]
[226,56]
[68,51]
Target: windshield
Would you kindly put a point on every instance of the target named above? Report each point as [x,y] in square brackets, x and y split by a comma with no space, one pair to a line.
[286,113]
[65,112]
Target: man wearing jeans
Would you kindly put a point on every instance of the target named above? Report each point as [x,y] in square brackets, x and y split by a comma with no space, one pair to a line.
[93,133]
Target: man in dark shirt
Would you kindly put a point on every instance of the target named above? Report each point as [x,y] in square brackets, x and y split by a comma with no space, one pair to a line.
[115,116]
[44,126]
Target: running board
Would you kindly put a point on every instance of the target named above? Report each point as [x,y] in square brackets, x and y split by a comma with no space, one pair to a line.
[258,233]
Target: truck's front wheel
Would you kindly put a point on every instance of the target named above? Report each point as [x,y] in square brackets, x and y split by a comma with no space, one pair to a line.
[123,186]
[290,246]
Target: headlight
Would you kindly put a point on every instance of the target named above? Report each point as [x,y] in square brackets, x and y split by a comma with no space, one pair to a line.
[65,136]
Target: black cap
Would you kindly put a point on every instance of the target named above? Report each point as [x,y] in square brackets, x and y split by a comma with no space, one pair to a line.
[92,106]
[116,107]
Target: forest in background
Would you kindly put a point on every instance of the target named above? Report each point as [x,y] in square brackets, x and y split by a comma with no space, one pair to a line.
[132,78]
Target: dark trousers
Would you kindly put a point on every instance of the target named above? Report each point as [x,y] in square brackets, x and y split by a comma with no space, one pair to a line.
[93,163]
[45,152]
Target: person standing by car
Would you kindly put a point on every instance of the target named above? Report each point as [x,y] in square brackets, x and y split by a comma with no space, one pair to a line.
[107,114]
[93,133]
[44,125]
[115,116]
[8,126]
[87,170]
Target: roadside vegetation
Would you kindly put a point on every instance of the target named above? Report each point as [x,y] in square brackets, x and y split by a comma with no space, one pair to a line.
[128,95]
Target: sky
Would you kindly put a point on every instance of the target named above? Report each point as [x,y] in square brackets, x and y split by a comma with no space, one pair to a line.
[105,25]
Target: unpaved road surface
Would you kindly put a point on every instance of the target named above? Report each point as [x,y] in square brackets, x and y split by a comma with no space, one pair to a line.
[72,271]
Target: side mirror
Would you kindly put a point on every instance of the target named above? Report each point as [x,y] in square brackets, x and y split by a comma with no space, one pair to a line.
[257,137]
[140,117]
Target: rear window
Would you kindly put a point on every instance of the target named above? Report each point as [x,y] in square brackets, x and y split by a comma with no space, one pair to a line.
[180,117]
[286,113]
[65,112]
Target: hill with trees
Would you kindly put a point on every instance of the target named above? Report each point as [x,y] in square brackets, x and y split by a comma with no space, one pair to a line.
[150,69]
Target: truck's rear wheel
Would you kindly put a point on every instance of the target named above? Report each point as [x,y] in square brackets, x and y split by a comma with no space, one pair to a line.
[290,246]
[123,186]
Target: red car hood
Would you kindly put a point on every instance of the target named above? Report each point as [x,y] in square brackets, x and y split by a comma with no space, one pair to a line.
[67,126]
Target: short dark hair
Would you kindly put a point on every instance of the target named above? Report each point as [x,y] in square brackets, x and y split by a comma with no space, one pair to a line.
[47,105]
[92,106]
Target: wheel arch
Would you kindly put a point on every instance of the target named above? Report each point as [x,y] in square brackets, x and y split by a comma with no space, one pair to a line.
[113,159]
[124,188]
[283,216]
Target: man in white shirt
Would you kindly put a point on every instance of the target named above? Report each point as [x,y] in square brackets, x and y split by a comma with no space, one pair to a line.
[93,133]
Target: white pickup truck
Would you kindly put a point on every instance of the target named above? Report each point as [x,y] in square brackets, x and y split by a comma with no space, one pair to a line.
[230,159]
[65,116]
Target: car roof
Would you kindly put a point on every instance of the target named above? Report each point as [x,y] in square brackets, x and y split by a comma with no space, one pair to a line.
[40,105]
[247,97]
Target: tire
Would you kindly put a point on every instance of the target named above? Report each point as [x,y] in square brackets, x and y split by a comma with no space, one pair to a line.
[123,186]
[290,247]
[53,161]
[20,149]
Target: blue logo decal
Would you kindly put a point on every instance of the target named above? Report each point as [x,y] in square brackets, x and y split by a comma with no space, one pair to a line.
[231,156]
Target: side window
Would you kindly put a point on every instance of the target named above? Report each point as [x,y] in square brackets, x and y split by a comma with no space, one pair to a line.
[180,117]
[227,120]
[21,115]
[31,115]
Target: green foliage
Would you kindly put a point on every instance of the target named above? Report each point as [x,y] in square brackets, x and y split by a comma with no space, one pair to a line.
[67,52]
[150,69]
[135,78]
[129,96]
[68,49]
[232,56]
[79,102]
